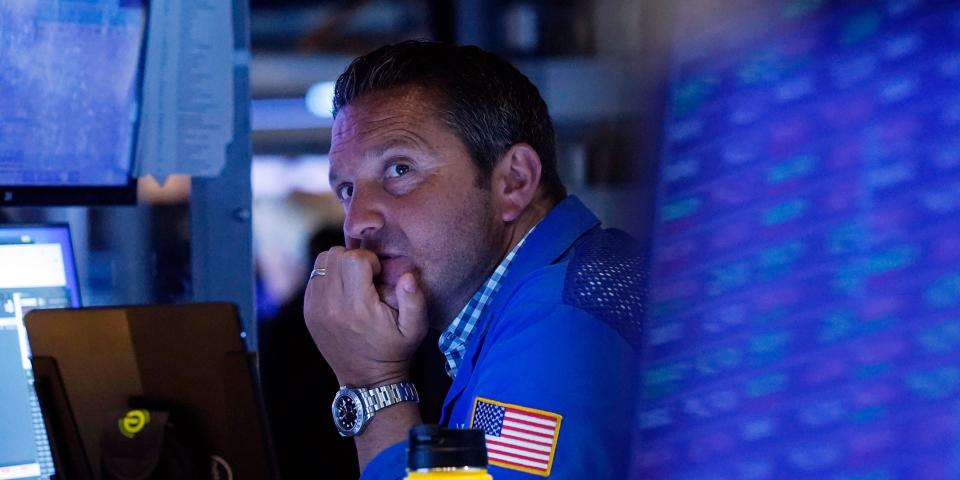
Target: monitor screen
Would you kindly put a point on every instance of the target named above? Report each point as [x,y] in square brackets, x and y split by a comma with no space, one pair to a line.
[806,256]
[37,270]
[70,84]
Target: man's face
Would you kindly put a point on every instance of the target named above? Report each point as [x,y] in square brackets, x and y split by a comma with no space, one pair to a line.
[409,191]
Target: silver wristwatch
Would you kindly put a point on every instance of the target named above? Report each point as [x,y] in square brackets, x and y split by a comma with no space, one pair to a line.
[353,408]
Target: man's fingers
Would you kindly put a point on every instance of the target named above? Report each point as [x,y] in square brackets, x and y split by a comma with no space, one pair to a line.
[321,260]
[330,282]
[357,268]
[412,304]
[329,261]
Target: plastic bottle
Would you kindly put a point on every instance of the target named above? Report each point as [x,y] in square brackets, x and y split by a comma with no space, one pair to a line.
[438,453]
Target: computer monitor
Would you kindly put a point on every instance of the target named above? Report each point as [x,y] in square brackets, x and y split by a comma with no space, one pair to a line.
[37,270]
[805,279]
[189,360]
[70,89]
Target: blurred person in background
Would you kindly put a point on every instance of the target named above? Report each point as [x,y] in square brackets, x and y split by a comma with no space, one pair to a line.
[456,220]
[296,385]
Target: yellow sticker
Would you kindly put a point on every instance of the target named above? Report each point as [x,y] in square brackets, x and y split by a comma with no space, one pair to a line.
[133,422]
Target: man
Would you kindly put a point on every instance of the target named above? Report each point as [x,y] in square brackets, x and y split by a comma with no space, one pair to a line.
[456,219]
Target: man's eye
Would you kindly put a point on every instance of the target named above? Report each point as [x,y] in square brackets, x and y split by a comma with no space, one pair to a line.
[397,170]
[344,191]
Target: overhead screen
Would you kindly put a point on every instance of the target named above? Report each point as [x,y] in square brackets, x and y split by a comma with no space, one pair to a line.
[70,86]
[805,314]
[37,270]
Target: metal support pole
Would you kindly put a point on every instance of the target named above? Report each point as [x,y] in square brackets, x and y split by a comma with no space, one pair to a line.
[221,208]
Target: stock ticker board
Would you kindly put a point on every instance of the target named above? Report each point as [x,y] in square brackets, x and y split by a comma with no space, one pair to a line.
[805,273]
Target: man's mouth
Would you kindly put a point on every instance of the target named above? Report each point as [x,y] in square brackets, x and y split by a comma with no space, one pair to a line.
[392,267]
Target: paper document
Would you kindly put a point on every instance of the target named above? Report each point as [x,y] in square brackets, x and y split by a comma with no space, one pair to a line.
[187,117]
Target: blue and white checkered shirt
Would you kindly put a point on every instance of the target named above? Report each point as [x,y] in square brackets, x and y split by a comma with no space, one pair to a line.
[453,341]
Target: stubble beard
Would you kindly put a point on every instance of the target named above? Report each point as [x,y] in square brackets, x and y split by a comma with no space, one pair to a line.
[448,274]
[468,259]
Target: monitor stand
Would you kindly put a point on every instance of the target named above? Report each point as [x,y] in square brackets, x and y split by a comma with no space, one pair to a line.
[69,457]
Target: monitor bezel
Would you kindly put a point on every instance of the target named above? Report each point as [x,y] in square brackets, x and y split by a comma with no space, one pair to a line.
[62,196]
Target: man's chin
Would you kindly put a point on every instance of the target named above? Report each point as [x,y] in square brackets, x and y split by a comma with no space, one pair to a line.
[388,295]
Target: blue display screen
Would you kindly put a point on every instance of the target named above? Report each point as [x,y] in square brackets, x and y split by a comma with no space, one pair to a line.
[69,88]
[805,271]
[37,270]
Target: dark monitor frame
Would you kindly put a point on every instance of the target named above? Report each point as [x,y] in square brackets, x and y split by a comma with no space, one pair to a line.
[188,359]
[51,195]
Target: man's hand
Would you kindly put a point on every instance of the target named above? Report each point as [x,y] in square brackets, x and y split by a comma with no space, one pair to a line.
[365,341]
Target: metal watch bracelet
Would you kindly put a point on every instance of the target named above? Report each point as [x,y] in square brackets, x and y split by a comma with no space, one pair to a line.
[386,395]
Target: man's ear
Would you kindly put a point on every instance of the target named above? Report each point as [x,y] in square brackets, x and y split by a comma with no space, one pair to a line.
[516,180]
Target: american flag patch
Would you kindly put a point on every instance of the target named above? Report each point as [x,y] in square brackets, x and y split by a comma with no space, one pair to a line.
[518,438]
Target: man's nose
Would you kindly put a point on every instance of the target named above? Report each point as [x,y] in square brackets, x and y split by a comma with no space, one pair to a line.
[363,216]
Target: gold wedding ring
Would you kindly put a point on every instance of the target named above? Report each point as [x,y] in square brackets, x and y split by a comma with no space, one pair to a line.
[318,272]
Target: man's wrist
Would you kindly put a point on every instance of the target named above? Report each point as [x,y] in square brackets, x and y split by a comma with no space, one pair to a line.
[355,407]
[373,381]
[389,381]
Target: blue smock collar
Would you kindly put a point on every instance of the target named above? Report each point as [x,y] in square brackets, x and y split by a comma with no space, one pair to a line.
[559,230]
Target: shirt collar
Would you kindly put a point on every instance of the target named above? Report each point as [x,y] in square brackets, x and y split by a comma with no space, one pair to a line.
[453,340]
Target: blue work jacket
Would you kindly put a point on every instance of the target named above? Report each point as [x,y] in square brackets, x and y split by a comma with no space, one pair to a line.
[555,348]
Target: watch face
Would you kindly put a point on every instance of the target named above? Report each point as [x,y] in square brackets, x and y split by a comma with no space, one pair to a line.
[348,412]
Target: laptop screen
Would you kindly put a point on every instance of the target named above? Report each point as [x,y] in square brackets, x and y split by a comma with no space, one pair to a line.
[37,270]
